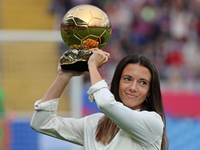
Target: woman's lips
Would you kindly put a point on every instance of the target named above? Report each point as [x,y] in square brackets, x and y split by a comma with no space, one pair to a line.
[131,95]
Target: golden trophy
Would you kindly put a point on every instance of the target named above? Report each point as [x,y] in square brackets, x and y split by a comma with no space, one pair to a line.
[83,27]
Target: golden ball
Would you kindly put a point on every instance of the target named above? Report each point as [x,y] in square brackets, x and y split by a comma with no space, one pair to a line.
[84,27]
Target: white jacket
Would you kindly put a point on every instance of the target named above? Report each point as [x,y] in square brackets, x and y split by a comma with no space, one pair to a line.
[139,130]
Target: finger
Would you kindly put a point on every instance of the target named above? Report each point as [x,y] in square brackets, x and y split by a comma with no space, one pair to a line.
[106,58]
[107,54]
[60,60]
[97,51]
[95,48]
[92,50]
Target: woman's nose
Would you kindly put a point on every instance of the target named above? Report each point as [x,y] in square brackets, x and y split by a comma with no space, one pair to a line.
[133,87]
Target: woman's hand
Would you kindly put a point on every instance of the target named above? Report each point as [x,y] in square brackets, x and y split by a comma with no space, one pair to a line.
[96,61]
[68,73]
[98,58]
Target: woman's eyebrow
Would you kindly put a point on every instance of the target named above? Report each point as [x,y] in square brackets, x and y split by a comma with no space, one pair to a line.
[144,79]
[127,76]
[140,78]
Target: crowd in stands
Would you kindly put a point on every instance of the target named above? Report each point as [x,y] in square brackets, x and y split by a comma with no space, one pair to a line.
[166,31]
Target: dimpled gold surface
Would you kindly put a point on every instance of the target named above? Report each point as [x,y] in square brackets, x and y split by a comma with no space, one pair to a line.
[85,22]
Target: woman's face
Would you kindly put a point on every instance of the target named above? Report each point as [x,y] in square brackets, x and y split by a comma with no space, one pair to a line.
[134,85]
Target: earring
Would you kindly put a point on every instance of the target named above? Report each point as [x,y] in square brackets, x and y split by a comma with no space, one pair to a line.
[147,100]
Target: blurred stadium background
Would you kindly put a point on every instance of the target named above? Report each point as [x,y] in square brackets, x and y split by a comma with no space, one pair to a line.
[167,31]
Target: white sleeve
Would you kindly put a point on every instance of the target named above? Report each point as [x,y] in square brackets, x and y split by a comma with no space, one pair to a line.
[46,121]
[143,126]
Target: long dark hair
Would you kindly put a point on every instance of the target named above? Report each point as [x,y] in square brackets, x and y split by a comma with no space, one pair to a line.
[106,129]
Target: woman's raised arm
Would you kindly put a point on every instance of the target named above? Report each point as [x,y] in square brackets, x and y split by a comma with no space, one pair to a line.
[58,86]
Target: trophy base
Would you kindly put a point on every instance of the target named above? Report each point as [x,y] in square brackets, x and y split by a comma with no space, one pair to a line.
[75,60]
[80,66]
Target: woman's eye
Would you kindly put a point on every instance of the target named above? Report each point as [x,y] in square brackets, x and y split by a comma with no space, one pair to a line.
[143,82]
[127,79]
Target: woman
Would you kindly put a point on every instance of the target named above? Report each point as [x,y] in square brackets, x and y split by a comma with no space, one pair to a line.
[132,111]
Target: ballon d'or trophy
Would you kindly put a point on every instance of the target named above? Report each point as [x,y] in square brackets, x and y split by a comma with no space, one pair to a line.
[83,27]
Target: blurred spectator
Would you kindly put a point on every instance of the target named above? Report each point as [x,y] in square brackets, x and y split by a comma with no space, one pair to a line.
[166,31]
